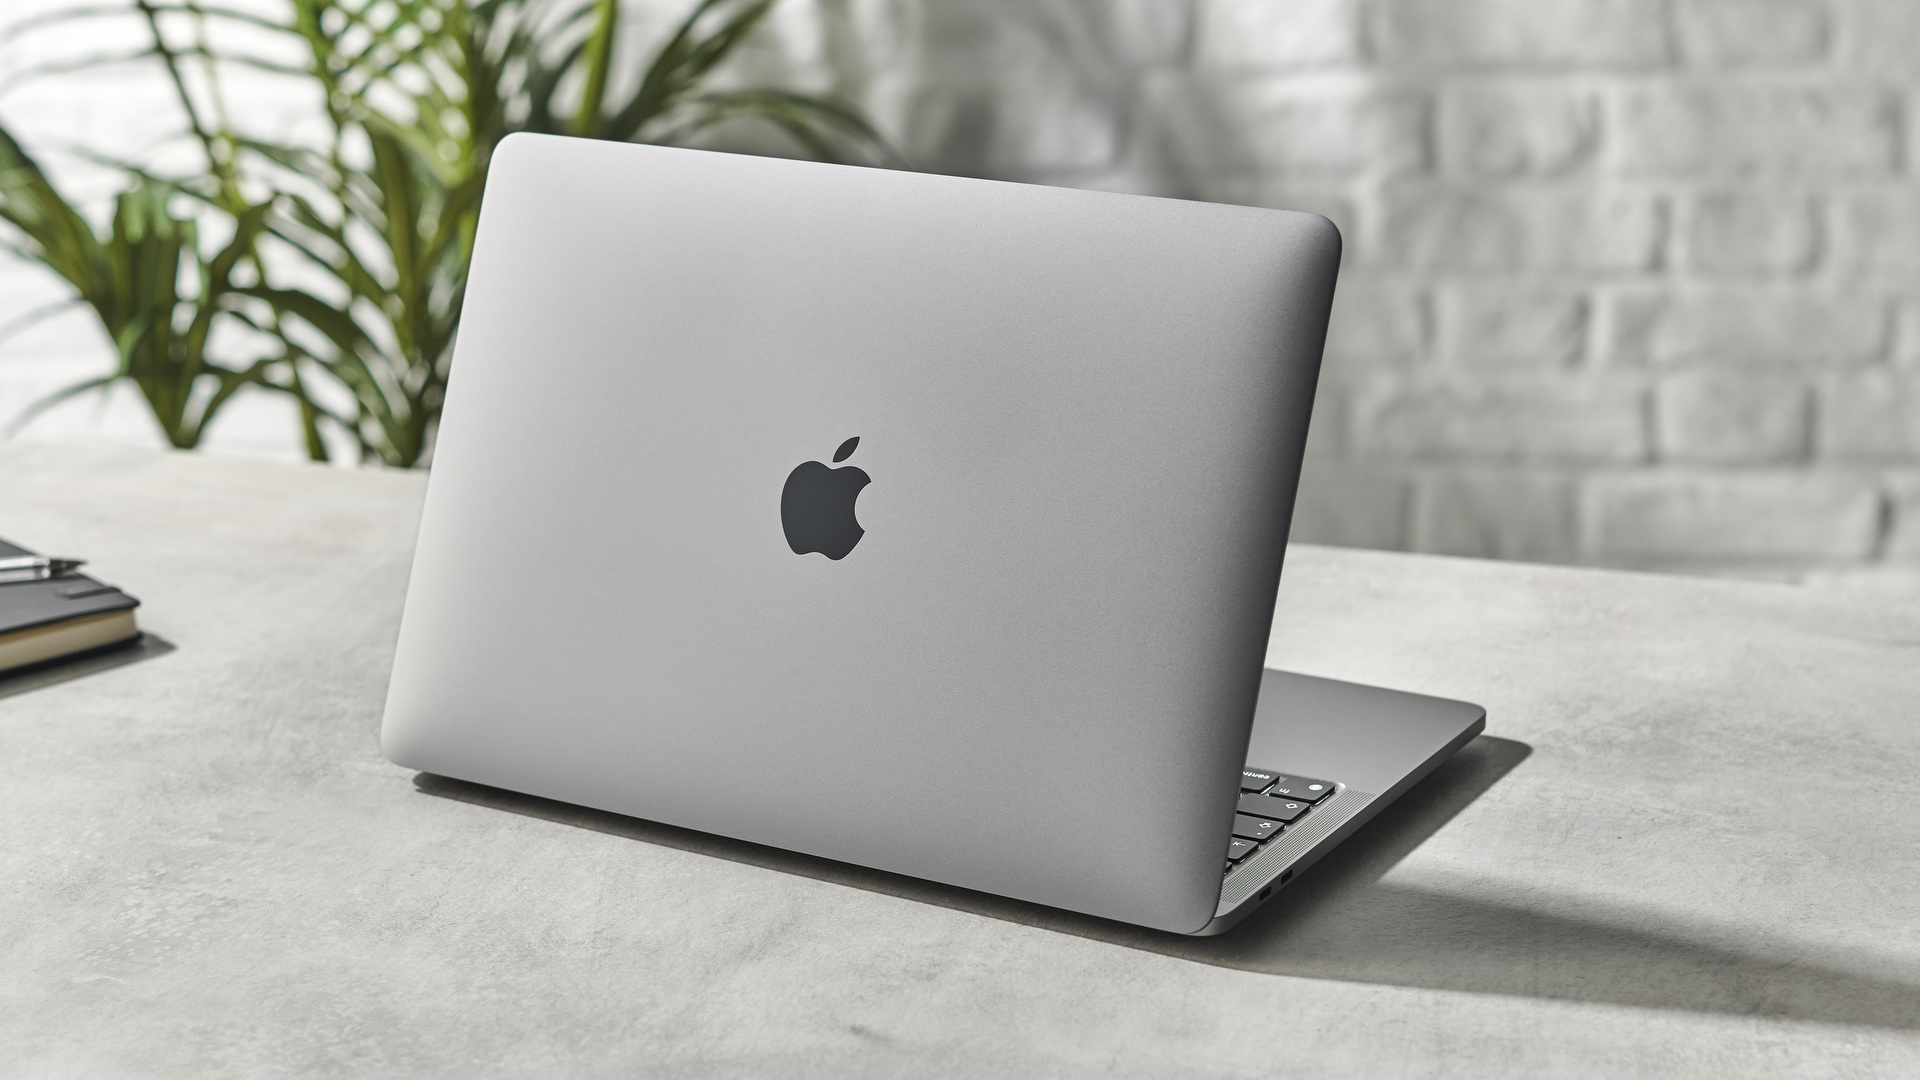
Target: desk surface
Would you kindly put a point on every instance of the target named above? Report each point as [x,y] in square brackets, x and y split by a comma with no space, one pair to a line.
[1689,843]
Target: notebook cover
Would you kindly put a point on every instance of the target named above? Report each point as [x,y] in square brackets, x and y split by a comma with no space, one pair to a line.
[26,604]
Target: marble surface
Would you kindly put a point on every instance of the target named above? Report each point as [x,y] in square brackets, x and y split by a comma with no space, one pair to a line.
[1685,846]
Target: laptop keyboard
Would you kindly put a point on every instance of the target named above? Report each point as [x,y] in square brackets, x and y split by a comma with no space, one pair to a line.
[1270,804]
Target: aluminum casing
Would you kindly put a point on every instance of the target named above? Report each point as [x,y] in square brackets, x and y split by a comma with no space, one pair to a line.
[1083,414]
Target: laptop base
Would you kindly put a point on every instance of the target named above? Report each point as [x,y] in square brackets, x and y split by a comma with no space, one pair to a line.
[1373,743]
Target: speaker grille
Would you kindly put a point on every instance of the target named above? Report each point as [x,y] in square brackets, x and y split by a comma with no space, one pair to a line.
[1259,871]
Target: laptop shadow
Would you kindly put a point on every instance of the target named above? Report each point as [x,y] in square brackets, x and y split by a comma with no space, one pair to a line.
[52,672]
[1342,921]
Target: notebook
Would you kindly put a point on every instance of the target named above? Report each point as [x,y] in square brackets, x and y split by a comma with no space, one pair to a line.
[60,616]
[935,526]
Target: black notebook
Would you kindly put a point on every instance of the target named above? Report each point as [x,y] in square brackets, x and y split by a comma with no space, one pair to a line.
[60,616]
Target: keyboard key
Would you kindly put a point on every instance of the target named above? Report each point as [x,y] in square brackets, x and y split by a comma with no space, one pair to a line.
[1301,788]
[1238,849]
[1253,828]
[1271,808]
[1257,779]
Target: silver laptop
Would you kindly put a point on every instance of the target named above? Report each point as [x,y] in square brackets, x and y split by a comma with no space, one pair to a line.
[921,523]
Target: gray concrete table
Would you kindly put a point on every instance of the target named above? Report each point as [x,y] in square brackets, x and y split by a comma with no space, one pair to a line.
[1686,845]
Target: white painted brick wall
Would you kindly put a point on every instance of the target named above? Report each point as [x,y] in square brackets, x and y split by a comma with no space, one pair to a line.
[1451,228]
[1676,516]
[1903,541]
[1771,325]
[1742,33]
[1872,416]
[1583,421]
[1628,282]
[1521,34]
[1515,512]
[1875,235]
[1743,126]
[1509,327]
[1498,130]
[1738,232]
[1712,417]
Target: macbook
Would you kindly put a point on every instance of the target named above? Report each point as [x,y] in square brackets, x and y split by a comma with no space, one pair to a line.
[922,523]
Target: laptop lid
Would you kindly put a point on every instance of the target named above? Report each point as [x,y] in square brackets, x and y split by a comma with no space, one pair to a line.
[1018,651]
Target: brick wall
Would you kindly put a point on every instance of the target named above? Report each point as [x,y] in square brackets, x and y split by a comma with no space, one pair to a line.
[1628,282]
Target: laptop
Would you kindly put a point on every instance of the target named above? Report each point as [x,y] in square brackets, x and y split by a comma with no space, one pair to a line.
[921,523]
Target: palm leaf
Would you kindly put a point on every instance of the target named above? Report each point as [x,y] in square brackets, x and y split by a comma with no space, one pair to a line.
[419,92]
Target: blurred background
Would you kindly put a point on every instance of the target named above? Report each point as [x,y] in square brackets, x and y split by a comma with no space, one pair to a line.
[1632,283]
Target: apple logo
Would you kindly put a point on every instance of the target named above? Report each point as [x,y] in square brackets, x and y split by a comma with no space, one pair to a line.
[816,506]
